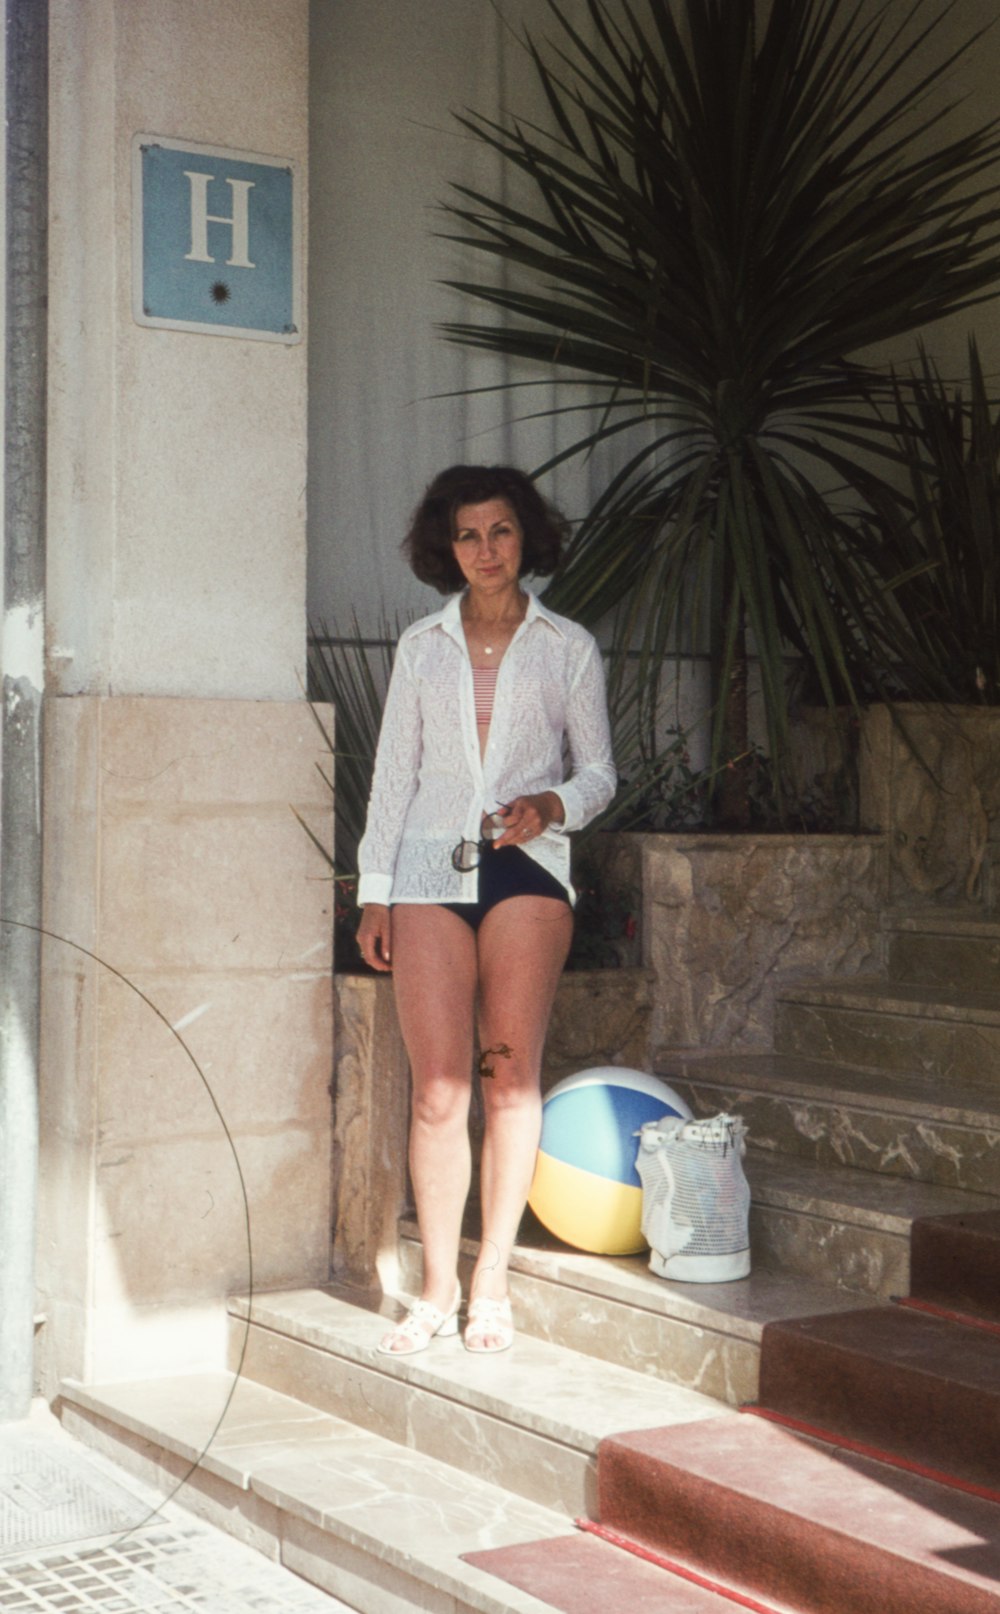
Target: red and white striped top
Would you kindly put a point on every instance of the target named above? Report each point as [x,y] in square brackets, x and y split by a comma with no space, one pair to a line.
[484,688]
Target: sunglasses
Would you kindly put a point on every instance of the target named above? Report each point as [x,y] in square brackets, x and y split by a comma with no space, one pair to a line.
[466,855]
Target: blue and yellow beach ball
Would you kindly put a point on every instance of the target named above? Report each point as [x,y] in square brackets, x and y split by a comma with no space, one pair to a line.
[586,1189]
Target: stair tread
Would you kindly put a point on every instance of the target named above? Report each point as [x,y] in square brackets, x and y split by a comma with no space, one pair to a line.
[946,920]
[580,1574]
[890,997]
[890,1092]
[411,1511]
[802,1489]
[739,1309]
[841,1192]
[553,1391]
[909,1341]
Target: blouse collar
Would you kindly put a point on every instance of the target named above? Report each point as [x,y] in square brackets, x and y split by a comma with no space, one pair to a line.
[450,616]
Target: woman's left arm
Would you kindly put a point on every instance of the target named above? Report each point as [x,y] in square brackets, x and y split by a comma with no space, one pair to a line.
[594,778]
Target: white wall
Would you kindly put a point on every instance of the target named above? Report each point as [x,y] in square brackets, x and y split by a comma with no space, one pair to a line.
[386,77]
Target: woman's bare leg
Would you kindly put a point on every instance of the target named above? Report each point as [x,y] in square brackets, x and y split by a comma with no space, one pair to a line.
[434,974]
[522,945]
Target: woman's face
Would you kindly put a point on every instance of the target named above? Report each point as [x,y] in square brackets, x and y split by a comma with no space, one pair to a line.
[487,545]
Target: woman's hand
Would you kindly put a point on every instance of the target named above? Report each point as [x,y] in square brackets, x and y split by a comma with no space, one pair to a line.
[375,936]
[527,817]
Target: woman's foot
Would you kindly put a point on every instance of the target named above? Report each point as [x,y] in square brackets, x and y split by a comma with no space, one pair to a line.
[422,1323]
[490,1326]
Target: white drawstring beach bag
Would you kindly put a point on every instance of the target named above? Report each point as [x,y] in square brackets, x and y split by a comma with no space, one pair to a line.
[695,1198]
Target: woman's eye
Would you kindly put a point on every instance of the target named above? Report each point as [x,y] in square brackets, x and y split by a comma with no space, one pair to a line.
[465,538]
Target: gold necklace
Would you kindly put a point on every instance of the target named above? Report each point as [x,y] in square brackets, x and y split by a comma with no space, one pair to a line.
[488,649]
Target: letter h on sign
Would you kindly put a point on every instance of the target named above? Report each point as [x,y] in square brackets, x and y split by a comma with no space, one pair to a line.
[216,238]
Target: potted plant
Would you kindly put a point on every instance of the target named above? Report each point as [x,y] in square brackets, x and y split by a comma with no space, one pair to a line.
[732,204]
[930,562]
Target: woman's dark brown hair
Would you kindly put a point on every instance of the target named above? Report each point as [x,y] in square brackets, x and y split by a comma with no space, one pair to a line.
[428,543]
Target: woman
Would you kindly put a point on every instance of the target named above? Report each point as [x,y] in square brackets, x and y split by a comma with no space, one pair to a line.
[465,865]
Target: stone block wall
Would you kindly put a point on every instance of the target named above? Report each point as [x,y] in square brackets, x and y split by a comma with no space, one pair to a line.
[173,856]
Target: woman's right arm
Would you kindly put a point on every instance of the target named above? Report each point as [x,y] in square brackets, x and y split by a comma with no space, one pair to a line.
[394,780]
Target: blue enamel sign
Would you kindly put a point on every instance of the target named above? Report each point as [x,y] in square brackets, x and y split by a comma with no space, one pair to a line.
[216,241]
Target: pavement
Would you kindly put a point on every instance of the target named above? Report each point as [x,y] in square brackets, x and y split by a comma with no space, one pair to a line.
[78,1536]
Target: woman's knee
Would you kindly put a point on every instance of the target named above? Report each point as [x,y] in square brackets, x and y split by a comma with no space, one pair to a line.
[440,1101]
[508,1080]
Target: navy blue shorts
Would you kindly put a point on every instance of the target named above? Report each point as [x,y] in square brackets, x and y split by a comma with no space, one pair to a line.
[507,872]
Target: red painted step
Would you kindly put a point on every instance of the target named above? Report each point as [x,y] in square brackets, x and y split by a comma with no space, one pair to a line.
[907,1381]
[580,1574]
[955,1262]
[800,1525]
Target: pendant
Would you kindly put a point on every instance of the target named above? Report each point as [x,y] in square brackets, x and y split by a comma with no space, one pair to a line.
[487,650]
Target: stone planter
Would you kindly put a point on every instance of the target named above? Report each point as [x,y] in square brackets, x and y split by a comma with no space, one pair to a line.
[370,1126]
[728,918]
[931,783]
[600,1017]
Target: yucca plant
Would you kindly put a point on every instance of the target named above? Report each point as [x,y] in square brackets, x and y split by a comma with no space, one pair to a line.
[932,547]
[731,203]
[350,673]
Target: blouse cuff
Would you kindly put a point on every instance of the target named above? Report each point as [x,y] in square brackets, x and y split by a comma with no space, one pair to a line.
[374,888]
[572,816]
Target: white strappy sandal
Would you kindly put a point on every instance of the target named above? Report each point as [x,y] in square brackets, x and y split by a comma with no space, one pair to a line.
[422,1323]
[489,1320]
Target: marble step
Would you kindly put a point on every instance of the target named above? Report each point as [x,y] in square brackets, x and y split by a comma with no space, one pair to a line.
[900,1124]
[880,1025]
[530,1419]
[379,1525]
[841,1226]
[799,1524]
[904,1382]
[613,1309]
[944,947]
[956,1263]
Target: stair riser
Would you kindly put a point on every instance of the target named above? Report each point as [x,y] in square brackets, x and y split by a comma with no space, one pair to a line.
[891,1405]
[718,1365]
[528,1464]
[955,1049]
[848,1135]
[969,963]
[866,1261]
[957,1266]
[765,1550]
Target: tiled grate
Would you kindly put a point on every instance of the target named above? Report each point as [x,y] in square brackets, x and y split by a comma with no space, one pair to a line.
[161,1567]
[51,1493]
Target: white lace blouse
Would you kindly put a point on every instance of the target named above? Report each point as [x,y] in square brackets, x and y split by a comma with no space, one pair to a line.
[431,787]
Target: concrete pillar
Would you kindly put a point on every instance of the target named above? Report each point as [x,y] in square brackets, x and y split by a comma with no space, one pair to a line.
[177,738]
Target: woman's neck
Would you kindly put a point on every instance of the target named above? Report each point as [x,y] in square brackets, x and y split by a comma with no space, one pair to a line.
[494,609]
